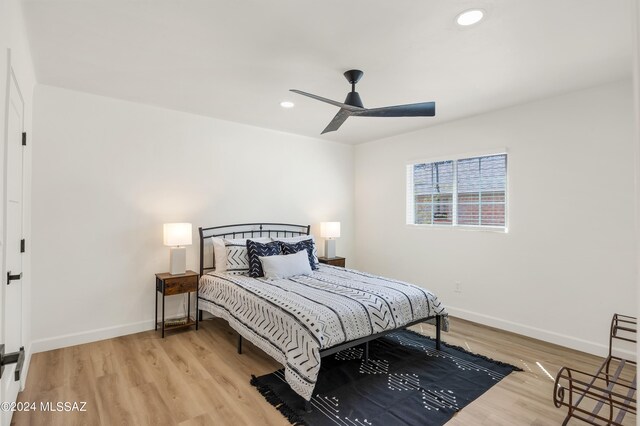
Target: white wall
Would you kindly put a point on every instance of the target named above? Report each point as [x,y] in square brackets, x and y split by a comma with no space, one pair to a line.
[13,36]
[109,173]
[559,273]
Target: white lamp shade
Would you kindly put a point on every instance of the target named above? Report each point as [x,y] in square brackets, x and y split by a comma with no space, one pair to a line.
[330,229]
[177,234]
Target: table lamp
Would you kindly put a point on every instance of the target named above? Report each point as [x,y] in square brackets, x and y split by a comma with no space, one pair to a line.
[330,231]
[176,236]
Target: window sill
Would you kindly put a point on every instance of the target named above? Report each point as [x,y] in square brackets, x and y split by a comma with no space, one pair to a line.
[498,230]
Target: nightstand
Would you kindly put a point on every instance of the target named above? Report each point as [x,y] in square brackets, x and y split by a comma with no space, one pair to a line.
[168,285]
[335,261]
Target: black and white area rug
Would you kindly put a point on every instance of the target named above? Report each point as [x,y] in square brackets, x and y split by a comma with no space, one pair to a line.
[406,382]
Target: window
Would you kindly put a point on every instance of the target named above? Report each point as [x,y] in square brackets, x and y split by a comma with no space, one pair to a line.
[433,193]
[462,192]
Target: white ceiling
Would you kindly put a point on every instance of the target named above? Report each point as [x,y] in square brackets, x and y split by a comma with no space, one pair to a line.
[236,60]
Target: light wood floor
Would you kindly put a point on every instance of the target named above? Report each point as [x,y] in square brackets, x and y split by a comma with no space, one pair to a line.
[196,378]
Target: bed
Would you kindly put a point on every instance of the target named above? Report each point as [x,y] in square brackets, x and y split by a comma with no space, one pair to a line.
[300,319]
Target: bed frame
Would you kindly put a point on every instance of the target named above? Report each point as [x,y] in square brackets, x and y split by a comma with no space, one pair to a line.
[287,230]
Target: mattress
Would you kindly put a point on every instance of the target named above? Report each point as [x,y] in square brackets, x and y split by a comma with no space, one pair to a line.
[293,319]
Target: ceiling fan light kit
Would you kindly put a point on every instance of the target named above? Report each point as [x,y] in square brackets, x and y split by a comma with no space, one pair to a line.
[353,105]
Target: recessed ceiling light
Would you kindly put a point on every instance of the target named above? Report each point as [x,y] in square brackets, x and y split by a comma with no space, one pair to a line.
[470,17]
[286,104]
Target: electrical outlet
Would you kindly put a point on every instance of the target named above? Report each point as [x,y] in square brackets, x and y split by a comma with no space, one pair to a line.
[458,287]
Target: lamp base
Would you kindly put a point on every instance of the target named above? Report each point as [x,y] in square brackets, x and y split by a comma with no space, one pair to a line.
[178,260]
[330,248]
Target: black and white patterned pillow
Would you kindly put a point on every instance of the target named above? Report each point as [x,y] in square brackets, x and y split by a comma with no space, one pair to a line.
[303,238]
[256,250]
[237,260]
[292,248]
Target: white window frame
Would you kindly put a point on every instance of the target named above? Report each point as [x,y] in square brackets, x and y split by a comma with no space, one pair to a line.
[410,196]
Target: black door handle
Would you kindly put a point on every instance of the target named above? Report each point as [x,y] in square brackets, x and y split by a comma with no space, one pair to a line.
[13,277]
[12,358]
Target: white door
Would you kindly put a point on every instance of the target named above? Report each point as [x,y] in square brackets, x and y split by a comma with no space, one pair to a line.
[11,318]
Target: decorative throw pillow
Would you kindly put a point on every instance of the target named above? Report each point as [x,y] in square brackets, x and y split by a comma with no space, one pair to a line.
[237,260]
[256,250]
[303,238]
[285,266]
[239,264]
[291,248]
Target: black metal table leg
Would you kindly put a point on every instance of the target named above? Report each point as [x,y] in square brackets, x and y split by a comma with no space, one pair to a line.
[239,344]
[366,352]
[188,307]
[438,324]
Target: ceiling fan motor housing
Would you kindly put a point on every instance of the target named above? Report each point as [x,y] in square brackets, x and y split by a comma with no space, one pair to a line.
[353,99]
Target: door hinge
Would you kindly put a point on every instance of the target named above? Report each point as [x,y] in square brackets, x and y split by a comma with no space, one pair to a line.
[12,358]
[12,277]
[22,248]
[24,138]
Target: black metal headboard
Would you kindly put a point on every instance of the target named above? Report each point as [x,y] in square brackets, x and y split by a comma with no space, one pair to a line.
[249,230]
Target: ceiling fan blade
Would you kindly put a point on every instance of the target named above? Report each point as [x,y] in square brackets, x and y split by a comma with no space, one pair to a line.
[329,101]
[337,121]
[423,109]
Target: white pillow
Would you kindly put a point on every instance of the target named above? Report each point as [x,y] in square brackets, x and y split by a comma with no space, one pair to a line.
[286,265]
[220,249]
[219,254]
[302,238]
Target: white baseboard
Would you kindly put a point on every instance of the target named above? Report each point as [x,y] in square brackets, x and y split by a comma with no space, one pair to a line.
[57,342]
[538,333]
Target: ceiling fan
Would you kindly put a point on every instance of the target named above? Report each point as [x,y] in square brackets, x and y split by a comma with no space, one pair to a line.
[353,105]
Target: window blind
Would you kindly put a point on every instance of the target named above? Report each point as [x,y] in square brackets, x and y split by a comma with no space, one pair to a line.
[464,192]
[481,190]
[433,185]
